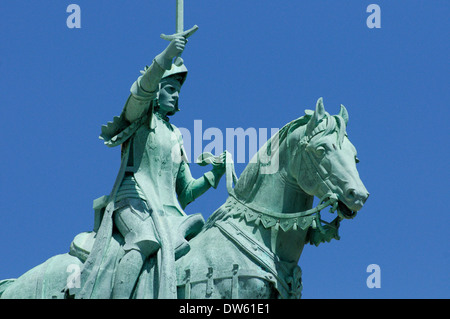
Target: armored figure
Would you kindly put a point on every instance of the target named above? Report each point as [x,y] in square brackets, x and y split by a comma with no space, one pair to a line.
[153,186]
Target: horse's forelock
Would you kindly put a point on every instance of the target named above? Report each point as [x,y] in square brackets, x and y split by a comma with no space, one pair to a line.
[330,125]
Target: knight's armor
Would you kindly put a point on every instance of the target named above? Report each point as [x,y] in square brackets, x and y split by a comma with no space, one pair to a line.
[154,175]
[153,186]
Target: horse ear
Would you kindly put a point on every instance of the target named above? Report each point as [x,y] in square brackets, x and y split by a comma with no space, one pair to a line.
[320,110]
[317,116]
[344,114]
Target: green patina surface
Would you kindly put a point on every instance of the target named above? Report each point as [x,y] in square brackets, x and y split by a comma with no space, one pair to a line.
[144,245]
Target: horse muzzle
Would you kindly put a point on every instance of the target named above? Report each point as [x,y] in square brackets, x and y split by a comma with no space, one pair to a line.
[355,199]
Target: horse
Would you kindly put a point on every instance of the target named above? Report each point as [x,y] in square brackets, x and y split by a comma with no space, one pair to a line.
[249,248]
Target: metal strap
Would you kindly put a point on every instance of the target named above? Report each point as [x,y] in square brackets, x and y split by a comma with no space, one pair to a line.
[187,285]
[210,281]
[235,282]
[261,254]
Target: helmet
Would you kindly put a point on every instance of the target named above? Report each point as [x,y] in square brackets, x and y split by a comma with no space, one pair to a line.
[179,70]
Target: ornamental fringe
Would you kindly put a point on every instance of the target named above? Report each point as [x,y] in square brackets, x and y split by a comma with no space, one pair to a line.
[237,209]
[119,130]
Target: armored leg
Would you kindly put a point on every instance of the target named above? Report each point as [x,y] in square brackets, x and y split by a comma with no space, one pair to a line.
[132,219]
[127,273]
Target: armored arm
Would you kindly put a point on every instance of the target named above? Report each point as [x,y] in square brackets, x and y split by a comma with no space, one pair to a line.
[189,188]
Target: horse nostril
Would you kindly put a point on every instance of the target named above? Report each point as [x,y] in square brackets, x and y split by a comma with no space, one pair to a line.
[350,194]
[353,196]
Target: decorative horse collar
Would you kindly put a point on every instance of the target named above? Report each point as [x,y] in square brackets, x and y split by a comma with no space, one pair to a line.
[276,220]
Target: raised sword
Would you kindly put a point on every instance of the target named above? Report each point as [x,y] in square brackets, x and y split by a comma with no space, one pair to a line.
[179,29]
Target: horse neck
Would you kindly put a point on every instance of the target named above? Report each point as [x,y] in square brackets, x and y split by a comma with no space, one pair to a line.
[269,185]
[274,193]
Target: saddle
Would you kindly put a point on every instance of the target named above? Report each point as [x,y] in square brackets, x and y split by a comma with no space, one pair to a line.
[188,227]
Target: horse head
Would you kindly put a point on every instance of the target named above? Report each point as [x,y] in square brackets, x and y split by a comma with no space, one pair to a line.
[327,160]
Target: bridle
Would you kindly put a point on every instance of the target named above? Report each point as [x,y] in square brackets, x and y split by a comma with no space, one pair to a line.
[324,180]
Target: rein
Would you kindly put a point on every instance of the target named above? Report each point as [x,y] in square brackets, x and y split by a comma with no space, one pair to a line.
[286,220]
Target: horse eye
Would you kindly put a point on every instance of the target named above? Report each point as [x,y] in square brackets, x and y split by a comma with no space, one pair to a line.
[334,146]
[356,160]
[320,151]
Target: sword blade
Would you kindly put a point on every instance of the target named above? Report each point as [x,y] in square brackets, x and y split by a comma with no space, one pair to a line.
[180,17]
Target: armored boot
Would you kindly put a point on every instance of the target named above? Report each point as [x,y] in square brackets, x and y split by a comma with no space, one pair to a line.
[127,274]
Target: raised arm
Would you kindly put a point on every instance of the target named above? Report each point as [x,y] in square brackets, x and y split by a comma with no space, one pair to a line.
[145,88]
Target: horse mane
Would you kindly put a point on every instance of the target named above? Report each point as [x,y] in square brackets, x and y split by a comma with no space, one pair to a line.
[328,125]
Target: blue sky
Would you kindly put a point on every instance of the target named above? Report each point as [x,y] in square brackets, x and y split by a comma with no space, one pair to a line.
[252,64]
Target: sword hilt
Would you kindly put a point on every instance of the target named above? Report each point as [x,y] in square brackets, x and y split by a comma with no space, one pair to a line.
[186,34]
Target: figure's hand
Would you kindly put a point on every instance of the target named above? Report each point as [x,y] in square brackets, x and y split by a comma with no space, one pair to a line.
[219,164]
[175,48]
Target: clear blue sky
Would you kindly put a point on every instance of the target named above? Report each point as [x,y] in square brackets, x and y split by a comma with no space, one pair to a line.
[253,64]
